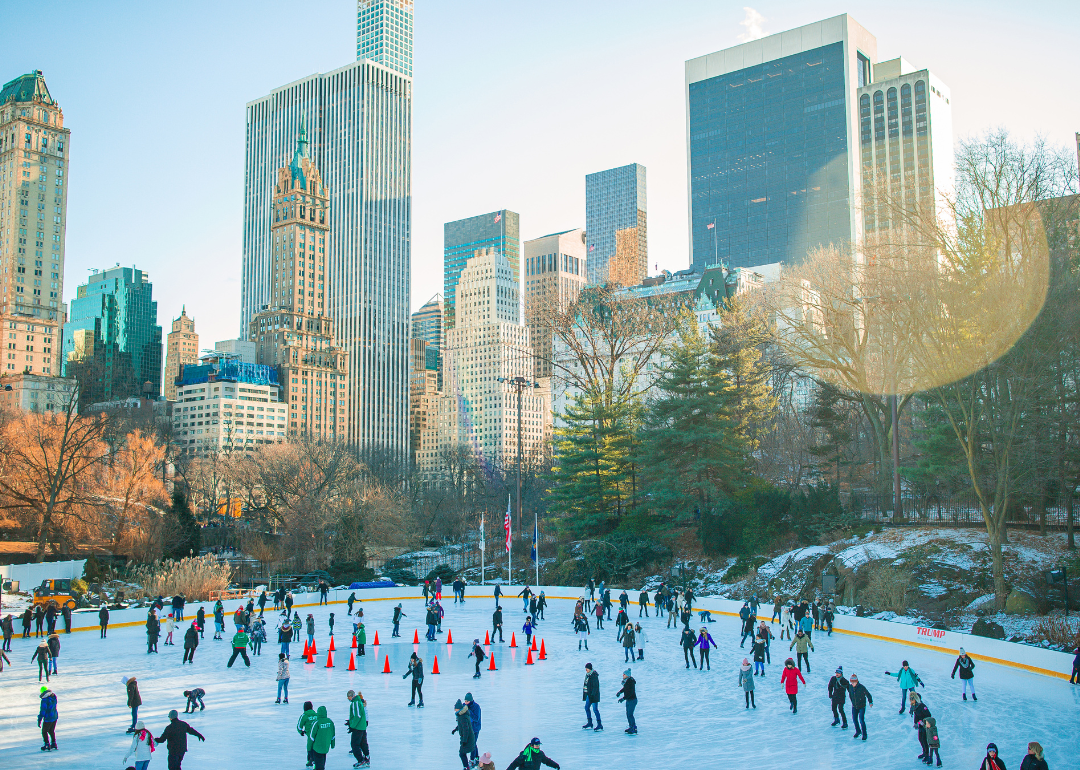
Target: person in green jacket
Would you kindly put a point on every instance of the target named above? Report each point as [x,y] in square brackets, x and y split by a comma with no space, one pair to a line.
[239,647]
[357,727]
[361,638]
[802,645]
[304,725]
[322,738]
[908,680]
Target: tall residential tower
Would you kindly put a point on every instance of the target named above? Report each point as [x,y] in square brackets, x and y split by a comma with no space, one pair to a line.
[617,225]
[555,270]
[499,230]
[384,33]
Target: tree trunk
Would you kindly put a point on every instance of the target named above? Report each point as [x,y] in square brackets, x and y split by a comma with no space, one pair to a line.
[1069,519]
[998,567]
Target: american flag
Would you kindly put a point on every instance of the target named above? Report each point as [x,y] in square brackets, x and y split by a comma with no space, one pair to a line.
[506,524]
[498,217]
[710,226]
[592,247]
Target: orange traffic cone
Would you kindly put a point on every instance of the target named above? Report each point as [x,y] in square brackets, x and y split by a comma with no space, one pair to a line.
[415,637]
[529,660]
[354,641]
[329,659]
[487,638]
[449,636]
[332,647]
[513,640]
[310,655]
[304,654]
[491,666]
[435,668]
[313,650]
[376,638]
[533,648]
[386,665]
[543,652]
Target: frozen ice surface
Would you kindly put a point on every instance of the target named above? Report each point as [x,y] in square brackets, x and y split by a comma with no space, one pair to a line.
[683,715]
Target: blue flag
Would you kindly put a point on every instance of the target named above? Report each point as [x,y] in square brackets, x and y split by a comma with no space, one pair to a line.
[534,544]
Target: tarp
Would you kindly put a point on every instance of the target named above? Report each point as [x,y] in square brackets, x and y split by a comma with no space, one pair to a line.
[375,584]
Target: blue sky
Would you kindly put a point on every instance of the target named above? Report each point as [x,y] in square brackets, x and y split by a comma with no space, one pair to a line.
[513,104]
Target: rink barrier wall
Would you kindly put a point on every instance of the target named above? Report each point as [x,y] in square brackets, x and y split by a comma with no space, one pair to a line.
[1035,660]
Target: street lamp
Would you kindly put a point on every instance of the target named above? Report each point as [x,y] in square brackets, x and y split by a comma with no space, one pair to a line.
[519,384]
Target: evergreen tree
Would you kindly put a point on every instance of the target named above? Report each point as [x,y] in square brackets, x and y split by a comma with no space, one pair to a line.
[831,420]
[185,537]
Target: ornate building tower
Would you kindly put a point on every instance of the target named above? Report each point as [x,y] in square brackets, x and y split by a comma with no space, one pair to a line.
[293,332]
[181,347]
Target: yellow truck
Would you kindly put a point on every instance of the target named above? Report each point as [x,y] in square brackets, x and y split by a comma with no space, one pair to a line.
[58,591]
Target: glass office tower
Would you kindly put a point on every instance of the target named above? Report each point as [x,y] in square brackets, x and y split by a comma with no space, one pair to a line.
[616,225]
[384,33]
[499,230]
[771,132]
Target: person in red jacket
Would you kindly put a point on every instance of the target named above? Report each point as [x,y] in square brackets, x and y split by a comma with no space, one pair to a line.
[791,677]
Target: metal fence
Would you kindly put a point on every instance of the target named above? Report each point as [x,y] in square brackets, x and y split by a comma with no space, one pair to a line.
[963,509]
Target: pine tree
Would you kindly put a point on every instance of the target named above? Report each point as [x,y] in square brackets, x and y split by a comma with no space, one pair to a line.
[830,419]
[185,538]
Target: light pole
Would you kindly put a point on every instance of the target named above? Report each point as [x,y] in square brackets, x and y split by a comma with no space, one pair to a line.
[519,384]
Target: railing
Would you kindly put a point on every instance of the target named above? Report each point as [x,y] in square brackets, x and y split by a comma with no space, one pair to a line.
[963,510]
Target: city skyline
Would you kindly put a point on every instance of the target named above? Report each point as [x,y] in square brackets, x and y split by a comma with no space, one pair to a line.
[528,164]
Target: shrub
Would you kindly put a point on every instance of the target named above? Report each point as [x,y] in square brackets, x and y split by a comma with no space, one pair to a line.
[886,587]
[1058,630]
[195,577]
[443,571]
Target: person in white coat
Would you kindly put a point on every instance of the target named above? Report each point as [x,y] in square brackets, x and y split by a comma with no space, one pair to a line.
[169,625]
[641,638]
[142,744]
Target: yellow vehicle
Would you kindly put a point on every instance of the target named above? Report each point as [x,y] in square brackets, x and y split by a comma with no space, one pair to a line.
[58,591]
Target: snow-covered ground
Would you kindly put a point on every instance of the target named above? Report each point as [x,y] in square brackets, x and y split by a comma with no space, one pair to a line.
[684,716]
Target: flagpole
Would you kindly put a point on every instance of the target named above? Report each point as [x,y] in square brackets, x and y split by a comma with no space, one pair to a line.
[482,574]
[509,543]
[536,546]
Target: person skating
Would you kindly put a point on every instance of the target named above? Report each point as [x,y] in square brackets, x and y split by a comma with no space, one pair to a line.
[590,693]
[153,630]
[744,615]
[531,757]
[258,636]
[282,677]
[285,636]
[324,592]
[322,738]
[1034,759]
[933,740]
[919,713]
[46,720]
[607,601]
[178,602]
[4,660]
[497,593]
[103,619]
[262,602]
[175,739]
[475,721]
[533,605]
[992,761]
[703,641]
[541,603]
[747,630]
[598,611]
[790,677]
[785,622]
[219,620]
[42,656]
[966,666]
[497,622]
[65,613]
[310,621]
[526,592]
[746,681]
[331,622]
[590,591]
[643,603]
[688,642]
[361,639]
[357,729]
[1073,679]
[908,680]
[304,725]
[351,601]
[134,699]
[398,615]
[463,728]
[416,671]
[288,602]
[54,650]
[479,655]
[200,621]
[802,645]
[431,620]
[527,629]
[39,620]
[860,699]
[169,626]
[28,619]
[627,635]
[194,698]
[838,689]
[628,691]
[239,644]
[621,619]
[142,746]
[828,615]
[640,637]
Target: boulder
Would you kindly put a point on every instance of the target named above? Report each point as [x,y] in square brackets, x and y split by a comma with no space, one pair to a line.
[1021,603]
[988,628]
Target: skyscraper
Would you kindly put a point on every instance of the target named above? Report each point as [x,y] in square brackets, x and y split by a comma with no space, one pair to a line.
[772,125]
[499,230]
[359,125]
[384,33]
[34,150]
[181,347]
[616,225]
[294,334]
[112,342]
[555,269]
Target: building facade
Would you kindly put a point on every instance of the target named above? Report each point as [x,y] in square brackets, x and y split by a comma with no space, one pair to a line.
[427,325]
[617,225]
[358,121]
[294,334]
[242,350]
[423,393]
[181,347]
[499,230]
[223,405]
[112,341]
[384,33]
[477,413]
[34,153]
[555,273]
[38,393]
[772,128]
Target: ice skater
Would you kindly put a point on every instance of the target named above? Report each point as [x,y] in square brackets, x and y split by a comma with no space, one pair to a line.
[1073,679]
[463,728]
[643,603]
[746,681]
[304,725]
[703,641]
[175,739]
[628,691]
[142,744]
[398,615]
[239,643]
[194,698]
[42,656]
[992,762]
[170,626]
[802,646]
[527,629]
[581,626]
[47,717]
[497,622]
[531,757]
[361,638]
[919,713]
[860,699]
[474,719]
[627,635]
[966,666]
[790,677]
[640,638]
[357,727]
[908,680]
[838,688]
[478,654]
[933,741]
[103,619]
[688,642]
[590,693]
[134,699]
[416,671]
[282,677]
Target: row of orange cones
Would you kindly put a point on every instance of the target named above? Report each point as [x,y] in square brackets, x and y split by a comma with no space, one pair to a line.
[309,654]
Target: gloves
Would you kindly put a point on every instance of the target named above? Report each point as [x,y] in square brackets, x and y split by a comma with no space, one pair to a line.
[201,738]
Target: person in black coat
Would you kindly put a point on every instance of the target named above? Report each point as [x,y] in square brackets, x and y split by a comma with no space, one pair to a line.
[590,693]
[531,757]
[175,739]
[27,621]
[688,642]
[919,713]
[466,737]
[860,697]
[191,641]
[200,620]
[497,623]
[628,691]
[478,653]
[103,619]
[66,612]
[838,688]
[416,671]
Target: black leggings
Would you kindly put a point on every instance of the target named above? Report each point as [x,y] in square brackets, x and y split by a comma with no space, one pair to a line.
[189,654]
[688,656]
[705,658]
[923,742]
[239,651]
[801,656]
[499,630]
[48,731]
[477,671]
[417,689]
[750,698]
[104,628]
[794,702]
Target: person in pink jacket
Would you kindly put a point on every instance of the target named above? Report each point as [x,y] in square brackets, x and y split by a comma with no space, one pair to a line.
[791,677]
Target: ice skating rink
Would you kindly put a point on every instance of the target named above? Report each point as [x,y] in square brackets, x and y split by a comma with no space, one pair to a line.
[685,717]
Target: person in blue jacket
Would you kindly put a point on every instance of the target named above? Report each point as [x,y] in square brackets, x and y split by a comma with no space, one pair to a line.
[908,680]
[1075,678]
[474,717]
[527,629]
[47,717]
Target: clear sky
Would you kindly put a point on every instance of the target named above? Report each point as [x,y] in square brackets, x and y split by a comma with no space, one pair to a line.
[514,103]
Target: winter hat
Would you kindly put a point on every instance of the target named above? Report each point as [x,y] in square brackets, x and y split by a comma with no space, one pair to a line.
[745,665]
[854,677]
[840,670]
[991,747]
[745,662]
[139,725]
[173,714]
[962,651]
[485,758]
[457,705]
[468,697]
[44,689]
[350,694]
[476,641]
[904,663]
[534,742]
[123,680]
[588,666]
[626,673]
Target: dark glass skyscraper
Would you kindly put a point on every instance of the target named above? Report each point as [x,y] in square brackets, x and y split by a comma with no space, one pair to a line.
[616,225]
[499,230]
[771,128]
